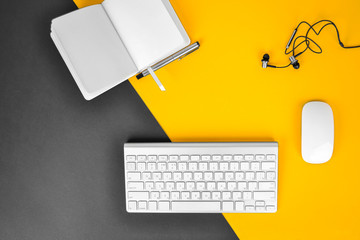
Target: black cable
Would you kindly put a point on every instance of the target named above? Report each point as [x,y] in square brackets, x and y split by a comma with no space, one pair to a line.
[283,66]
[307,40]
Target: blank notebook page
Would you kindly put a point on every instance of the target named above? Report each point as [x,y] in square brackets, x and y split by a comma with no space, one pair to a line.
[150,29]
[93,51]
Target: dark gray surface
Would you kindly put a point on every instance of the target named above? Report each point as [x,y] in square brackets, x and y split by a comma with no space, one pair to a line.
[61,165]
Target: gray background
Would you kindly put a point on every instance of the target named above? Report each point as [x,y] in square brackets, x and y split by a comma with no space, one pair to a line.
[61,163]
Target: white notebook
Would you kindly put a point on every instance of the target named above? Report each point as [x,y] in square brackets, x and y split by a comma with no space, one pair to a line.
[105,44]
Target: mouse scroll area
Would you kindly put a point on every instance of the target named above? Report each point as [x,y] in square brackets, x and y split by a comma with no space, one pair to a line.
[317,132]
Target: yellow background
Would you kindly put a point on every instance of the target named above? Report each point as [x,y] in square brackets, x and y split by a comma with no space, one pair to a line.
[221,93]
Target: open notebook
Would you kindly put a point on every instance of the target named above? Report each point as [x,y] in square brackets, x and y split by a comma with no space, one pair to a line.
[105,44]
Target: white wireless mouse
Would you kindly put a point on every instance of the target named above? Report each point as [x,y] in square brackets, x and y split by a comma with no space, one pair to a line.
[317,132]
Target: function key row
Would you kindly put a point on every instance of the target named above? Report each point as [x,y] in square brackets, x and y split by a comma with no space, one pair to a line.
[247,157]
[202,166]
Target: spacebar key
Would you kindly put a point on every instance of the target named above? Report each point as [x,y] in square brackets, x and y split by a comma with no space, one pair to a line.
[196,206]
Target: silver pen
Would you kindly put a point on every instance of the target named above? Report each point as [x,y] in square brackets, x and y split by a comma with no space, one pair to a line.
[178,55]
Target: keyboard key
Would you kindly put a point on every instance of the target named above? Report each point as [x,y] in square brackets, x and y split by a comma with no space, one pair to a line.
[174,157]
[138,195]
[205,157]
[184,157]
[136,186]
[234,166]
[152,206]
[203,166]
[195,158]
[211,186]
[157,176]
[200,186]
[252,186]
[167,176]
[250,208]
[177,176]
[193,166]
[249,175]
[270,175]
[232,185]
[270,208]
[260,157]
[268,166]
[239,206]
[141,158]
[219,176]
[213,166]
[216,195]
[190,186]
[133,176]
[260,203]
[255,166]
[237,195]
[188,176]
[195,196]
[198,176]
[247,195]
[151,166]
[267,185]
[208,176]
[224,166]
[216,157]
[239,176]
[130,158]
[228,206]
[229,176]
[175,195]
[163,158]
[221,185]
[226,195]
[271,157]
[170,186]
[172,166]
[162,166]
[185,195]
[142,205]
[196,206]
[159,185]
[244,166]
[260,176]
[131,166]
[149,185]
[264,195]
[132,205]
[249,157]
[154,195]
[249,202]
[242,185]
[182,166]
[165,195]
[227,157]
[146,176]
[206,196]
[238,157]
[270,201]
[152,158]
[180,186]
[164,205]
[141,166]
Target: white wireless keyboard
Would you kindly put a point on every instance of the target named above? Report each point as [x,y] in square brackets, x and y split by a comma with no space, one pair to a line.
[201,177]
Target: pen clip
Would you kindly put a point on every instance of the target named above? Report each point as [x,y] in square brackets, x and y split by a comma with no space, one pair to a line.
[185,55]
